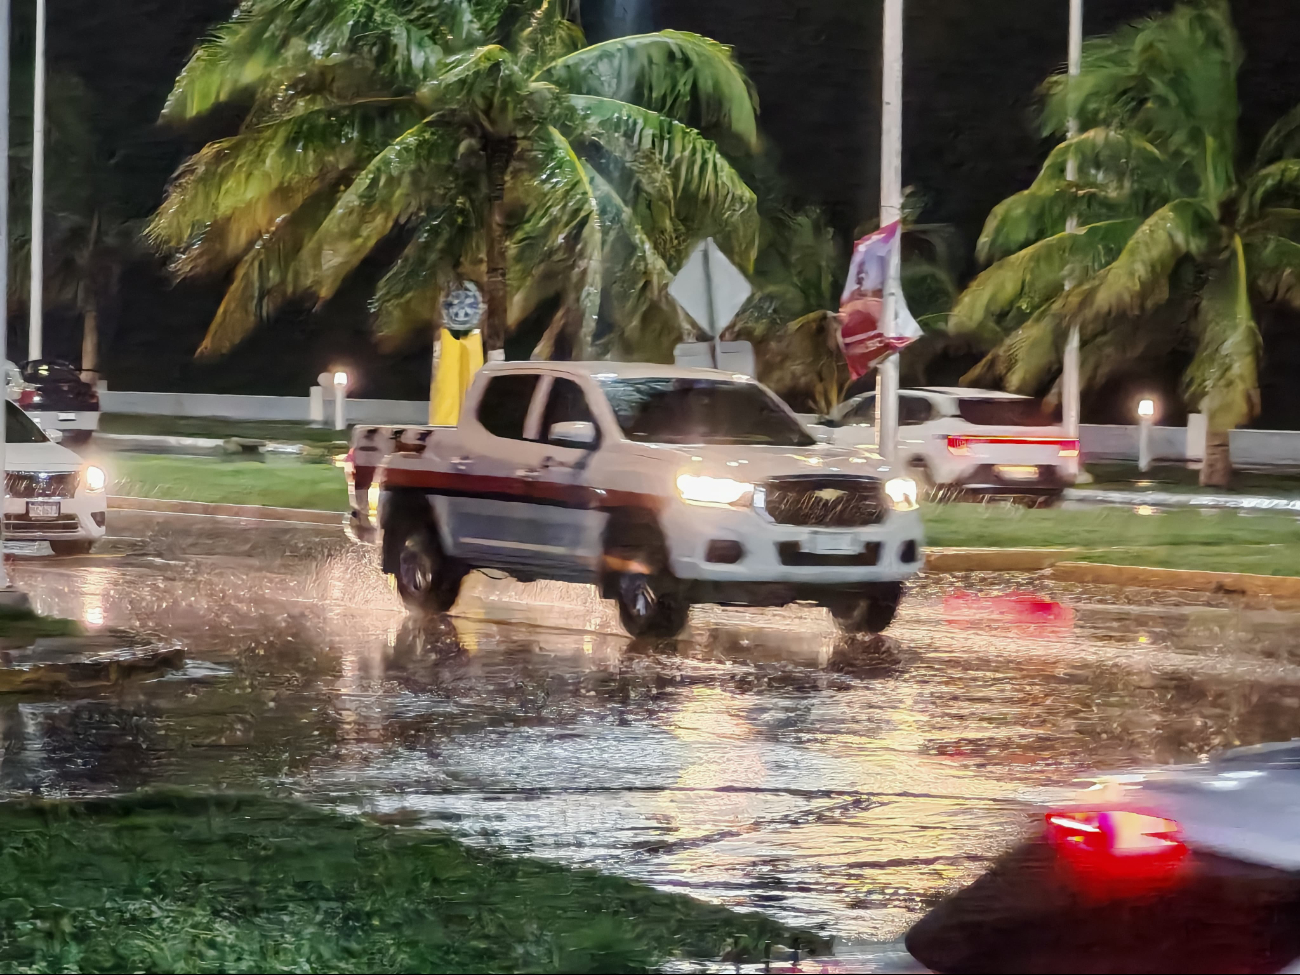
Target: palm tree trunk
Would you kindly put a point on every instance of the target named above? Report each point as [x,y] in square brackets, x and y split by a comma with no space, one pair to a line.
[499,154]
[1216,471]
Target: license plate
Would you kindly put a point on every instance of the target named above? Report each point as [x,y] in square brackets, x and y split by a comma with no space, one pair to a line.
[67,417]
[42,510]
[1015,473]
[829,543]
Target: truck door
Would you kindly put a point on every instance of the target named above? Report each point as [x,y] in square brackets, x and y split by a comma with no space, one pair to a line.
[487,504]
[568,522]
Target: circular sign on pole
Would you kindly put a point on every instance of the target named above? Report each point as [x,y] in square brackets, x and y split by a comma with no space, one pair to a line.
[462,307]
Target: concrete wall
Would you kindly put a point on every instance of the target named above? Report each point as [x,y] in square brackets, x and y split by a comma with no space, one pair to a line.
[259,407]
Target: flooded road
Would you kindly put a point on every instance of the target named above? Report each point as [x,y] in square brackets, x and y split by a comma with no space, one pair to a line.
[761,761]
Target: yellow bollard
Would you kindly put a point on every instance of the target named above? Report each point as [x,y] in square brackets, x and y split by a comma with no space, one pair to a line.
[460,358]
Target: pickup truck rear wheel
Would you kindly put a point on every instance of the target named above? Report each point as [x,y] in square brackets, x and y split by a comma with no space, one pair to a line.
[870,610]
[427,580]
[651,605]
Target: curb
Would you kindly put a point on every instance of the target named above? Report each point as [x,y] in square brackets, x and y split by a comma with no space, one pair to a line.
[995,559]
[1191,580]
[255,512]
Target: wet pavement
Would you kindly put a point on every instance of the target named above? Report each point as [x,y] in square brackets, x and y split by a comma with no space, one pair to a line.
[762,761]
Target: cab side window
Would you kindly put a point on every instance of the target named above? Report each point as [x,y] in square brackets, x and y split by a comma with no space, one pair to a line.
[566,404]
[503,410]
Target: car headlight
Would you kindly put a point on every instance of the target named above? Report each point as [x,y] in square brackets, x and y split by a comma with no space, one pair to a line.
[902,493]
[701,489]
[96,479]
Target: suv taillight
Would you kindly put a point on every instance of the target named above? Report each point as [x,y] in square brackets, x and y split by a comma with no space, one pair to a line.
[959,445]
[1069,448]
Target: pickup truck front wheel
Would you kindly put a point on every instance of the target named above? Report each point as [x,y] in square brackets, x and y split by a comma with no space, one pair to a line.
[869,610]
[427,580]
[652,606]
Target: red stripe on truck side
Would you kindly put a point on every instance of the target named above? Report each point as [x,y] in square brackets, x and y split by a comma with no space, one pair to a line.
[516,489]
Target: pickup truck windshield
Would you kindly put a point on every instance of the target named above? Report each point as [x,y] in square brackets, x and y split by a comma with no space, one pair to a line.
[704,411]
[19,427]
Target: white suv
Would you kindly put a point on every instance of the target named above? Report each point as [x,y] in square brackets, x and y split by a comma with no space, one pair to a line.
[969,442]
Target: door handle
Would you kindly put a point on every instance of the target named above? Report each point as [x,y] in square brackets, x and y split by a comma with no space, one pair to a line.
[461,461]
[529,473]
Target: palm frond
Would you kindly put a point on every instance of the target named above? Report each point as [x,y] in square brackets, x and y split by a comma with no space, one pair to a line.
[1138,281]
[270,42]
[547,36]
[1172,78]
[1014,289]
[483,88]
[407,299]
[684,76]
[415,173]
[1120,174]
[679,186]
[1281,141]
[1273,263]
[233,191]
[1279,181]
[1223,376]
[263,279]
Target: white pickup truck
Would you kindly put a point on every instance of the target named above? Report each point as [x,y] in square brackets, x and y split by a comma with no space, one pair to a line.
[663,486]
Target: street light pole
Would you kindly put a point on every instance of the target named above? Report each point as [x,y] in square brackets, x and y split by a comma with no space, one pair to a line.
[1070,387]
[36,301]
[891,209]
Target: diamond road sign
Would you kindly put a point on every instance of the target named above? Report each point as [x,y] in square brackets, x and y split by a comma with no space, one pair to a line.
[710,288]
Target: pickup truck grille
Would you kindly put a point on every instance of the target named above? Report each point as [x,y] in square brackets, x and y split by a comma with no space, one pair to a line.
[34,484]
[825,502]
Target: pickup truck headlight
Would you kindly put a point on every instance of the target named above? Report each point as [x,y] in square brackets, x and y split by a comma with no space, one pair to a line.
[96,479]
[902,493]
[701,489]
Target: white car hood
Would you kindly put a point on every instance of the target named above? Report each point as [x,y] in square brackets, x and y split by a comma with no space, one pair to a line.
[47,456]
[749,463]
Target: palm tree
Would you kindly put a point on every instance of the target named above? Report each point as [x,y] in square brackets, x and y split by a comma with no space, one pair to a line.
[477,139]
[1176,243]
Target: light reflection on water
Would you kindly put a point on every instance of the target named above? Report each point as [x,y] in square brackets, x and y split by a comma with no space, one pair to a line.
[761,761]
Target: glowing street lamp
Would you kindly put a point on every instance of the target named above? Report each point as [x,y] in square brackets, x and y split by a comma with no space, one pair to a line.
[340,399]
[1146,417]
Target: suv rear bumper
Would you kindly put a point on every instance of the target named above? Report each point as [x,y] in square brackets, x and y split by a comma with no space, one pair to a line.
[985,481]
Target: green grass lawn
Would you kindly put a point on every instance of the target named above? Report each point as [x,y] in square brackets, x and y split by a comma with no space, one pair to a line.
[279,484]
[169,882]
[218,429]
[1180,479]
[1221,541]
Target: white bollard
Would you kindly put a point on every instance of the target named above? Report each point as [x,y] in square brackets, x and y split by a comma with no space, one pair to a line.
[340,400]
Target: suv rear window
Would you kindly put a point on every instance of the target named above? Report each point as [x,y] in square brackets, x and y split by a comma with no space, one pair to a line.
[1007,412]
[503,410]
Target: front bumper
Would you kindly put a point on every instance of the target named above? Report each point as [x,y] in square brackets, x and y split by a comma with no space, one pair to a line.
[80,518]
[774,553]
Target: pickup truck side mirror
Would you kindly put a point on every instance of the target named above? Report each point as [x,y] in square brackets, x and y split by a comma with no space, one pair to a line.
[573,433]
[54,436]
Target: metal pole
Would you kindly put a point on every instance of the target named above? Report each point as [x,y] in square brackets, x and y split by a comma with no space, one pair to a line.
[891,209]
[1144,443]
[1070,384]
[4,265]
[713,313]
[340,406]
[37,298]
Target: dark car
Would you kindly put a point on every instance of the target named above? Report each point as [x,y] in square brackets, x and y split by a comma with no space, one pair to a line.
[1186,869]
[57,398]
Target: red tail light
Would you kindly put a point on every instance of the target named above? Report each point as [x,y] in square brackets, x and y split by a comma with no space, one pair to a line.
[1117,853]
[959,445]
[1069,448]
[1121,834]
[27,397]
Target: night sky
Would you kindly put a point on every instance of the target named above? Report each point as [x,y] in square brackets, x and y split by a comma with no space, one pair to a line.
[969,141]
